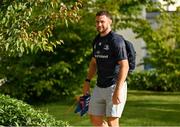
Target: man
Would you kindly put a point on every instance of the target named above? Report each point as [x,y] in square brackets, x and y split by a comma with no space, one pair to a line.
[110,62]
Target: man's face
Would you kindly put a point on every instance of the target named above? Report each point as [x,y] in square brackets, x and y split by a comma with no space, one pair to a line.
[103,23]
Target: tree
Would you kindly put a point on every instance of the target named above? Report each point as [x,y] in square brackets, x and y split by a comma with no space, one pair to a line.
[26,25]
[60,73]
[163,47]
[51,75]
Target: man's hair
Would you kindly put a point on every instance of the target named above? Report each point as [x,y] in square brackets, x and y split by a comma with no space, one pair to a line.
[106,13]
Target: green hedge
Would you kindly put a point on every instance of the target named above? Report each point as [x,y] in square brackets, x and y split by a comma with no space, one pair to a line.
[154,80]
[14,112]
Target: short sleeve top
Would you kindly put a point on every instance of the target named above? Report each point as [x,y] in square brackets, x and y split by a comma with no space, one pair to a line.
[107,51]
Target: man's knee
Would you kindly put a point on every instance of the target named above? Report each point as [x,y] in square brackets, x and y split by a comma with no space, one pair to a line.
[98,121]
[113,121]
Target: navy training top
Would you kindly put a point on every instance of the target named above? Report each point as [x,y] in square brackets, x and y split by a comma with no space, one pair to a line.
[108,50]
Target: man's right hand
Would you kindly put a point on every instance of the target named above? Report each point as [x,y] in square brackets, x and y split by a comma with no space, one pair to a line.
[86,88]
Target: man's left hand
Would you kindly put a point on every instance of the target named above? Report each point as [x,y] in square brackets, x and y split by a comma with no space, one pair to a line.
[116,97]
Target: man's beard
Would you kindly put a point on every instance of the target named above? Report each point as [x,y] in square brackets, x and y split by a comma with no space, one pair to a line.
[104,31]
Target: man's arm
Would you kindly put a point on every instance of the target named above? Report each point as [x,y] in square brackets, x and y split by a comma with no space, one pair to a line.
[123,72]
[91,73]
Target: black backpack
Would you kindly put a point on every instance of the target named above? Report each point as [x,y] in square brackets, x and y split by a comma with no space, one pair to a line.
[131,54]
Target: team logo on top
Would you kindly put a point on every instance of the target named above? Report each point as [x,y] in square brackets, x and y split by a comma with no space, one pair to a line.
[106,47]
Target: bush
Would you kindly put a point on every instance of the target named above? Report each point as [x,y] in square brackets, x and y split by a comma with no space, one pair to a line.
[17,113]
[154,80]
[38,77]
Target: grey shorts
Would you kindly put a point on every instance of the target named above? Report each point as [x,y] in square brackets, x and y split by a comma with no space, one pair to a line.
[101,102]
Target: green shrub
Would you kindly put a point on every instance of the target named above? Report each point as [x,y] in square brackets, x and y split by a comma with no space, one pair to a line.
[17,113]
[154,80]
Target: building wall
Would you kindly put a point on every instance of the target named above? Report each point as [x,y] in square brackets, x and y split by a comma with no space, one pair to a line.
[138,43]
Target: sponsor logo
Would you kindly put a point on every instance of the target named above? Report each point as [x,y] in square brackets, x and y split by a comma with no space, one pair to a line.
[102,56]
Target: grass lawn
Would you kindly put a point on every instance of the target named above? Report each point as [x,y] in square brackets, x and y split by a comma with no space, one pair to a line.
[143,108]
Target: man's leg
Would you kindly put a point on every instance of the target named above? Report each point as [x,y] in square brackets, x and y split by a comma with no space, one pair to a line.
[98,121]
[97,108]
[114,112]
[113,121]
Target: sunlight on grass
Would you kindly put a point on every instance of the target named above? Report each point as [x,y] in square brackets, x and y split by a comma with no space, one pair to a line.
[143,108]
